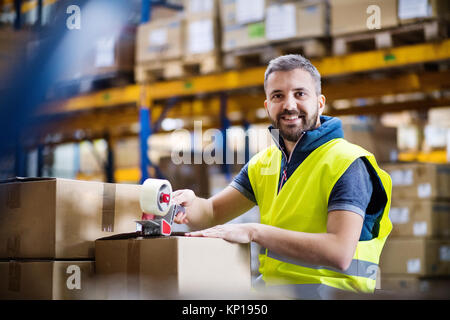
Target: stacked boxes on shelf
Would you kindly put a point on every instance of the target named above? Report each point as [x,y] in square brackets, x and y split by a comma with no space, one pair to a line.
[297,26]
[243,24]
[159,48]
[341,22]
[202,37]
[413,11]
[416,256]
[385,23]
[47,233]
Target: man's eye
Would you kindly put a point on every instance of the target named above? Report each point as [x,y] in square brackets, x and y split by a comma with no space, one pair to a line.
[276,96]
[300,94]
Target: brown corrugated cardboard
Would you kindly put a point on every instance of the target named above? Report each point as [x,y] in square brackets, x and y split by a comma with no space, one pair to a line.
[349,16]
[410,11]
[202,35]
[127,153]
[375,138]
[419,180]
[243,36]
[420,218]
[312,19]
[172,267]
[228,12]
[186,176]
[47,280]
[293,19]
[435,287]
[61,218]
[161,39]
[415,256]
[200,7]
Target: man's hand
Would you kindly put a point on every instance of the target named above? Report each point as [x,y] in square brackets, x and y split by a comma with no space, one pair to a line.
[204,213]
[239,233]
[186,199]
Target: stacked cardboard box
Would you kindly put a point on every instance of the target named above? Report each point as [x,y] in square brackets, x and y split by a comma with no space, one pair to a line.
[186,175]
[417,253]
[159,47]
[342,22]
[243,24]
[47,233]
[411,11]
[112,54]
[172,267]
[288,20]
[372,136]
[13,45]
[202,35]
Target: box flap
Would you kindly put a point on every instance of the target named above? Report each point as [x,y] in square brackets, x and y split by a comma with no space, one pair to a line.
[137,234]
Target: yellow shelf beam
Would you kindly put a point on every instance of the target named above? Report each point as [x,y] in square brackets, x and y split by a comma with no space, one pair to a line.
[254,77]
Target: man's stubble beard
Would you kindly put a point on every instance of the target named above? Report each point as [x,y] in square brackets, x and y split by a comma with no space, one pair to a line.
[293,134]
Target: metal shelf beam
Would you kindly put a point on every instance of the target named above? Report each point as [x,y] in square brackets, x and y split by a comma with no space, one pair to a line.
[254,77]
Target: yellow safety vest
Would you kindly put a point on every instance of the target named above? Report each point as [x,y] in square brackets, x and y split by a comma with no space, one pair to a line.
[302,205]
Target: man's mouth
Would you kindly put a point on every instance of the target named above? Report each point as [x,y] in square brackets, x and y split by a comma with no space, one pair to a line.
[291,119]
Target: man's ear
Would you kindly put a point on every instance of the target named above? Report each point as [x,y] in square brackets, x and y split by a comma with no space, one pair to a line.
[321,100]
[265,104]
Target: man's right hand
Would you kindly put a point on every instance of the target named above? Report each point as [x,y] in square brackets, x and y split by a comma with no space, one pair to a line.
[185,198]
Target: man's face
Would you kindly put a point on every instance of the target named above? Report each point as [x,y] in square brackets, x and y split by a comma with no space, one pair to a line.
[292,103]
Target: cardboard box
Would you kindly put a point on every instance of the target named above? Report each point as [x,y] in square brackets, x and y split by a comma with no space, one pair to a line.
[200,7]
[60,218]
[161,39]
[348,16]
[172,267]
[112,54]
[294,20]
[410,11]
[416,256]
[419,180]
[228,12]
[375,138]
[127,153]
[243,36]
[418,218]
[47,280]
[202,35]
[186,176]
[435,287]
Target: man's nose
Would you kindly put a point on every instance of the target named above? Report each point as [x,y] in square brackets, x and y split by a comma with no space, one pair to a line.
[290,103]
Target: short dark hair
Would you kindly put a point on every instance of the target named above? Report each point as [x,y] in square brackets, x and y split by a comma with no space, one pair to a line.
[290,62]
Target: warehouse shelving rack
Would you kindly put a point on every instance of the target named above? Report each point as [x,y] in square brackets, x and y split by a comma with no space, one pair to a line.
[421,68]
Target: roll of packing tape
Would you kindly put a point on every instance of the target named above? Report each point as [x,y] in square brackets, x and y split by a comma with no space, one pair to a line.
[155,196]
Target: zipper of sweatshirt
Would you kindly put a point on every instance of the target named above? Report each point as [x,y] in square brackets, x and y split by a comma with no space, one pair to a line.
[284,175]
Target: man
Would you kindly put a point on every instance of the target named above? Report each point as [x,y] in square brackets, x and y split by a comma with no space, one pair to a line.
[324,202]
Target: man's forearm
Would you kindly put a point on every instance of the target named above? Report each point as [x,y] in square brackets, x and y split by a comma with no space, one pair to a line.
[310,248]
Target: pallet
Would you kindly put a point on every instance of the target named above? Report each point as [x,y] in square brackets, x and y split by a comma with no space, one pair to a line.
[178,68]
[201,64]
[158,70]
[248,57]
[309,48]
[261,55]
[387,38]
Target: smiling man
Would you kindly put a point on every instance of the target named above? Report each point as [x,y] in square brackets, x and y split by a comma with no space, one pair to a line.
[324,209]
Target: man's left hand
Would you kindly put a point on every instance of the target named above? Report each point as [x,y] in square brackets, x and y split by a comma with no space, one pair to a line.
[239,233]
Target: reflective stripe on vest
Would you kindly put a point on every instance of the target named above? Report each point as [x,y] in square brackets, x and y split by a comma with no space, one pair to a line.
[314,291]
[357,267]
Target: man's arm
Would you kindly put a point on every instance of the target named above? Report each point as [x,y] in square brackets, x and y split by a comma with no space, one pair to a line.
[335,248]
[204,213]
